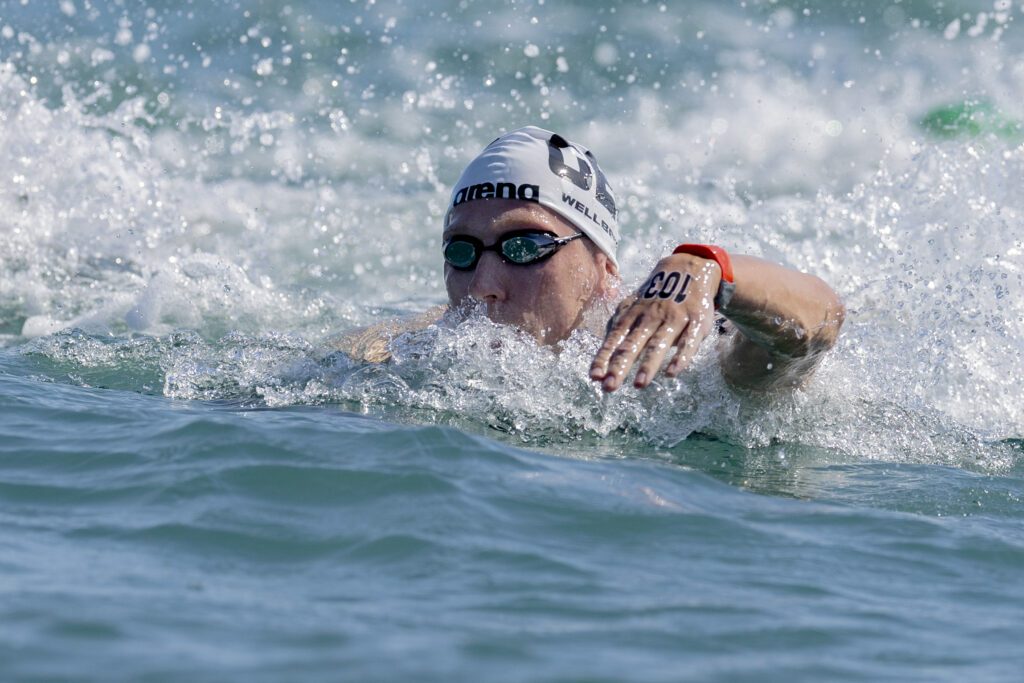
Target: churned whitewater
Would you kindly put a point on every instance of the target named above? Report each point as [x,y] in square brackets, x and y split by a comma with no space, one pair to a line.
[198,199]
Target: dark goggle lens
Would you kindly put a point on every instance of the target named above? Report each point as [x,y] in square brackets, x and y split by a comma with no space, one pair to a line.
[525,249]
[460,254]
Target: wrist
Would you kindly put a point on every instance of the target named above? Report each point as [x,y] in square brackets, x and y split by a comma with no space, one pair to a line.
[726,285]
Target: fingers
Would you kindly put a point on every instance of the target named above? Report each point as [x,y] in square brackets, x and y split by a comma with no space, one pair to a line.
[625,353]
[618,329]
[657,348]
[691,339]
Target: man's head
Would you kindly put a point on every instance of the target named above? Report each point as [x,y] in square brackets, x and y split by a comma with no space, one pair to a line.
[510,227]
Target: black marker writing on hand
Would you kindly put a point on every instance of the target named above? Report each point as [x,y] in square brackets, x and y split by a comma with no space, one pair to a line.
[663,285]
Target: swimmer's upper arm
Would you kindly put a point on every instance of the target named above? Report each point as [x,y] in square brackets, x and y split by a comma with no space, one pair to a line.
[373,344]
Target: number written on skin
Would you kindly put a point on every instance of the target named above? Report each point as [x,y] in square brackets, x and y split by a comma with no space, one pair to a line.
[667,285]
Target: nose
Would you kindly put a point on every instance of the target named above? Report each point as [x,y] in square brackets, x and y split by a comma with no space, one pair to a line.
[488,282]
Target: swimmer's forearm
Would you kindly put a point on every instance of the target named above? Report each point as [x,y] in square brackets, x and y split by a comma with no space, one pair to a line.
[790,314]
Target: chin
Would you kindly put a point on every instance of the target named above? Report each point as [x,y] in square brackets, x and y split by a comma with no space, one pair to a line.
[545,335]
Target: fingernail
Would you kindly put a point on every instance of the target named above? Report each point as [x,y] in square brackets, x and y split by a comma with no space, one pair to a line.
[641,380]
[608,384]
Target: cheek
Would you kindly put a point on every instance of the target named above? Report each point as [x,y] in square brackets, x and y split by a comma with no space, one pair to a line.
[580,282]
[455,283]
[563,290]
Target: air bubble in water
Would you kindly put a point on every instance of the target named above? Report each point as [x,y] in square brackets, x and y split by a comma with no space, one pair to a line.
[606,54]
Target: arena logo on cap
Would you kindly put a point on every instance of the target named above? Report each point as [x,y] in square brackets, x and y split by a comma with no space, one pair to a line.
[525,191]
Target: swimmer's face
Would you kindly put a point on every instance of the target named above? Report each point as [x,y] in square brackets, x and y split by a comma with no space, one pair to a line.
[546,299]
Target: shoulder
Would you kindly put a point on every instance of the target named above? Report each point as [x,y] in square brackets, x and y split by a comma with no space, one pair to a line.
[373,344]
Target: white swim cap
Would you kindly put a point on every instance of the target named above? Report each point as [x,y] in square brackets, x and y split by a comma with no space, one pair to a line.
[537,165]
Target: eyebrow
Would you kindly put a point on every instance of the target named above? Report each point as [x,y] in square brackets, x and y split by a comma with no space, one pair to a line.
[453,229]
[508,225]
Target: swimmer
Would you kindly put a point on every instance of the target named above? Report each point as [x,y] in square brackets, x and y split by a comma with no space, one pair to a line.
[531,236]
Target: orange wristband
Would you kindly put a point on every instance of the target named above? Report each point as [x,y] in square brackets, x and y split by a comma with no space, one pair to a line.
[720,256]
[709,251]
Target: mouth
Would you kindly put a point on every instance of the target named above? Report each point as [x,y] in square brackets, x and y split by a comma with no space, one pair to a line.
[498,312]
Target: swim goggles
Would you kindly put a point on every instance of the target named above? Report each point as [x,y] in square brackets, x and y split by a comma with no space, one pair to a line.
[519,247]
